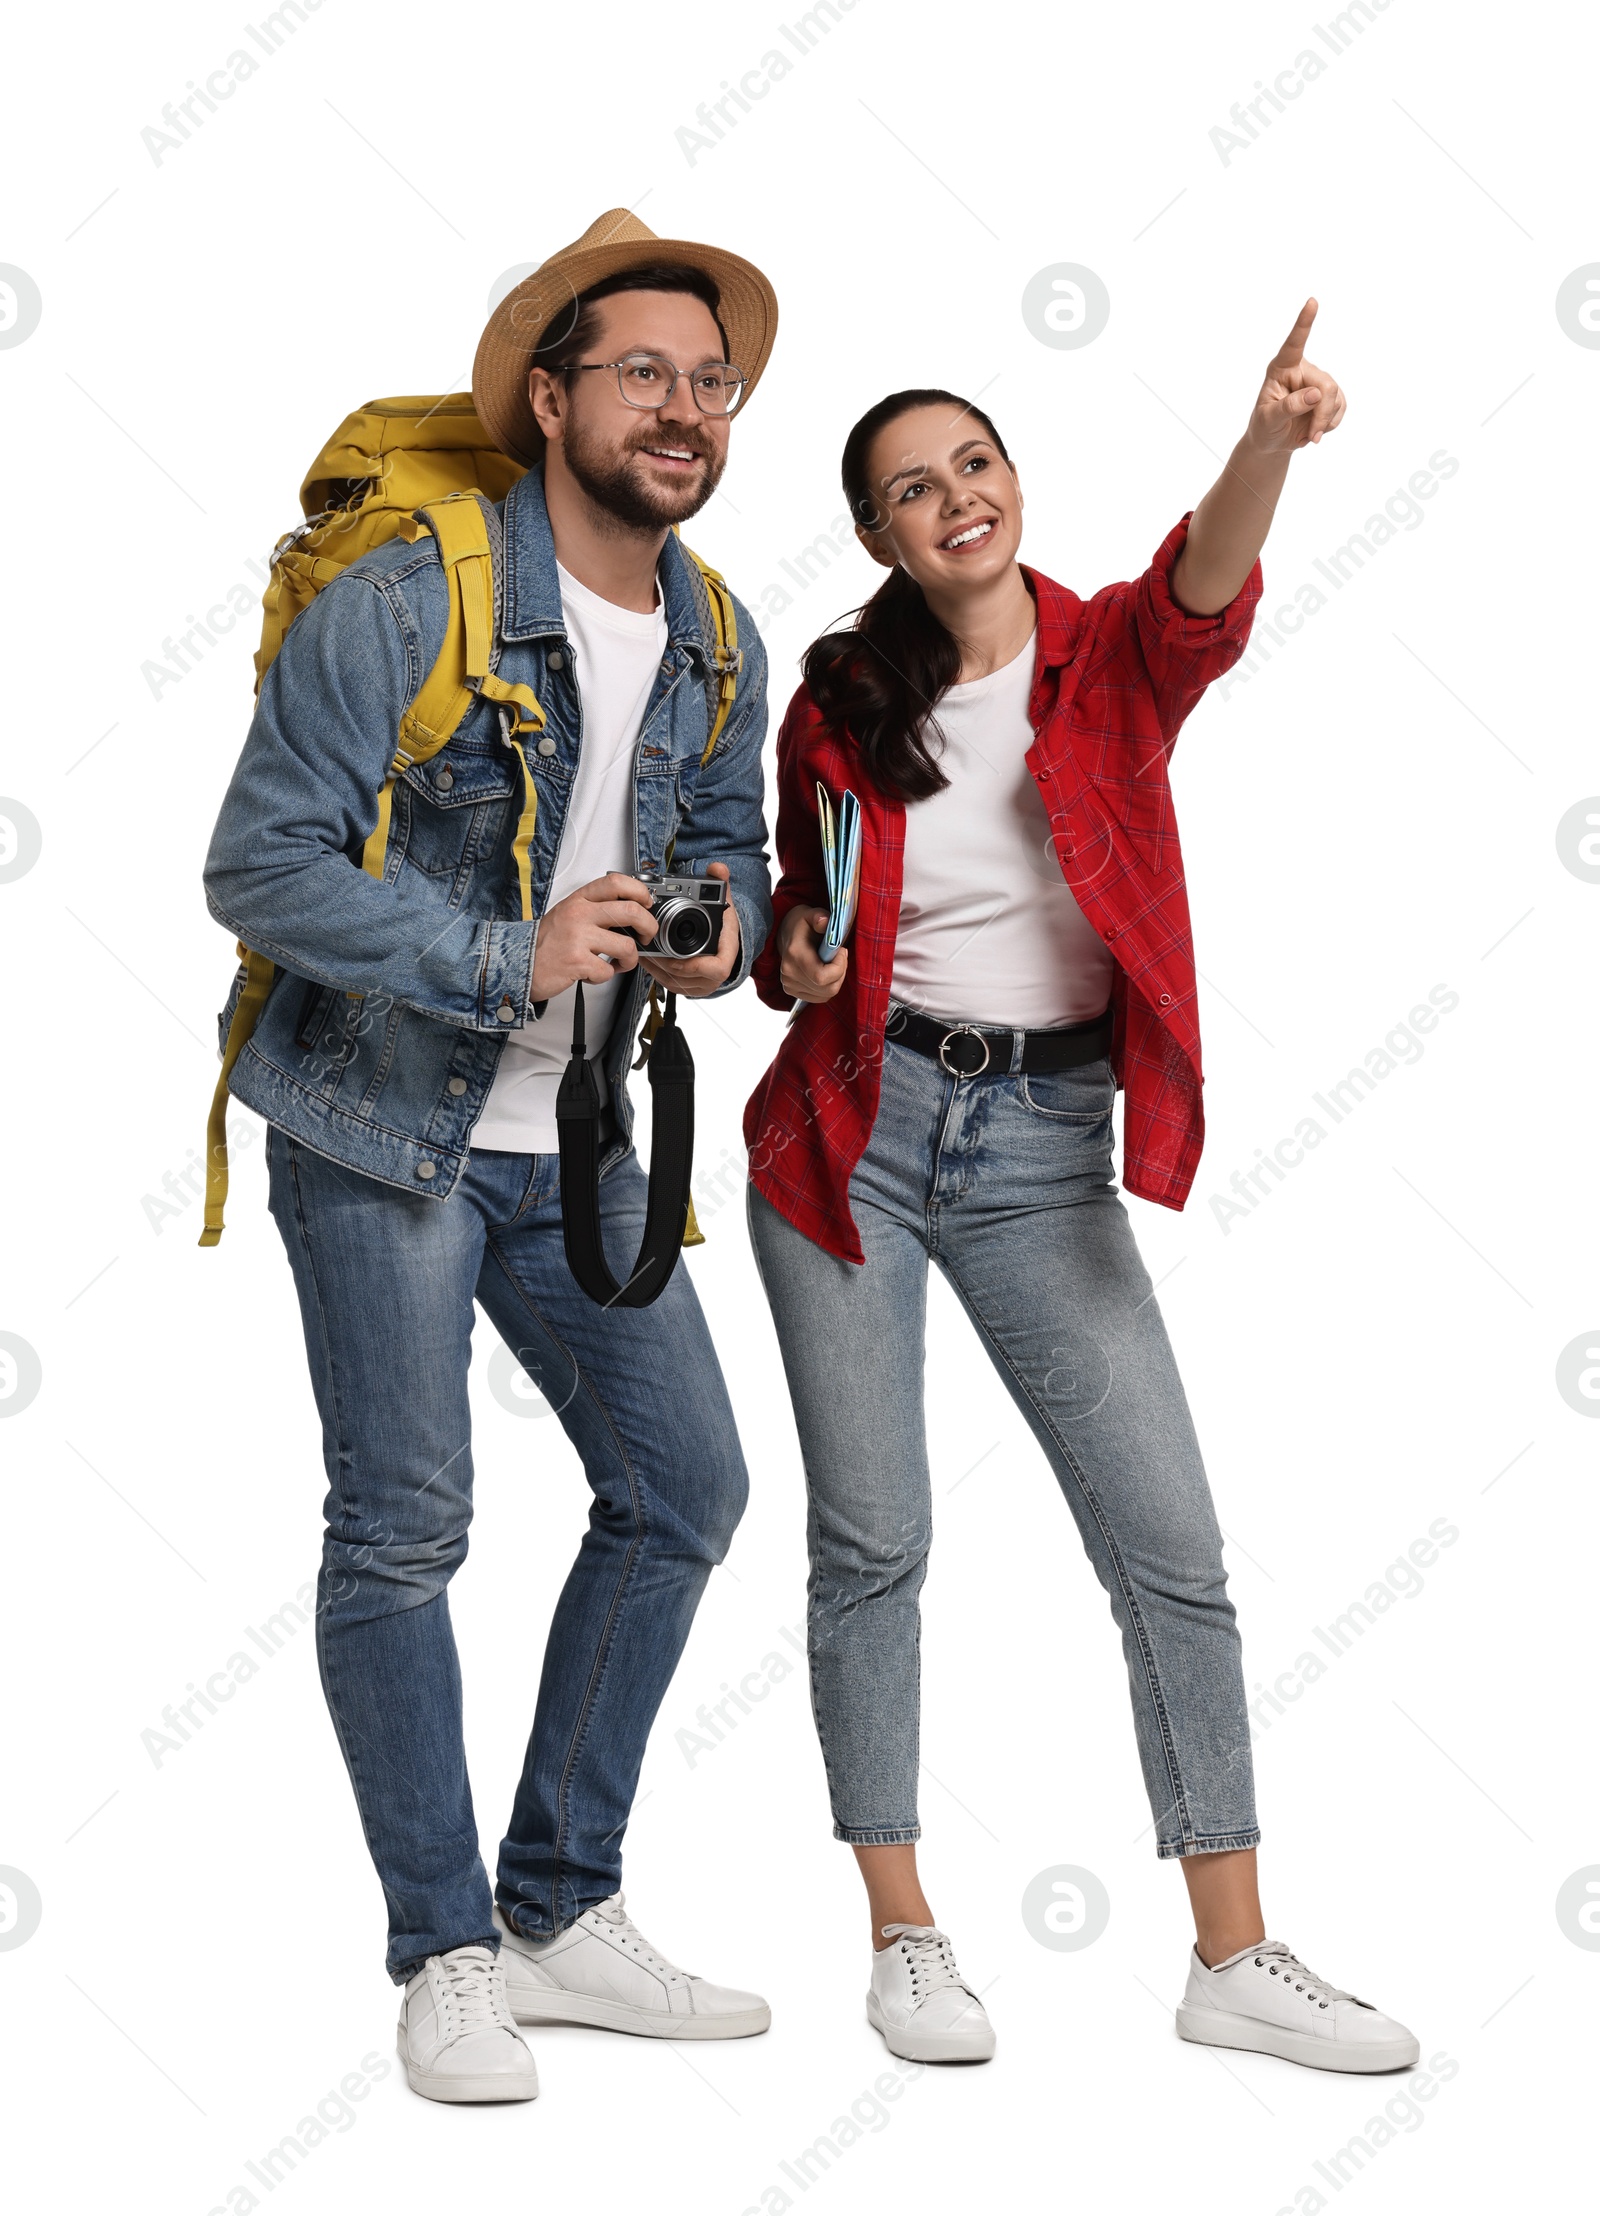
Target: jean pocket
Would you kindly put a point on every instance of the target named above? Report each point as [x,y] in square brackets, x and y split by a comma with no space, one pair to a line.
[1081,1095]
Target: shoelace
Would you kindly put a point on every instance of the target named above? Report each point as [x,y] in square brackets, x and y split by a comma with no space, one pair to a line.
[929,1958]
[628,1934]
[474,1990]
[1274,1957]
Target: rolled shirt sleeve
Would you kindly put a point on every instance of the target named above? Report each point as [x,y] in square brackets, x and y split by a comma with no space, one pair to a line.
[1184,653]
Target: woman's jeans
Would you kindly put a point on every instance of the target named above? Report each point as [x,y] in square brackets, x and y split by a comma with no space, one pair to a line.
[387,1281]
[1005,1182]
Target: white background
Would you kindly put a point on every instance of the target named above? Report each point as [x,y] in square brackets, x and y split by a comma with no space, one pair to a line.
[1373,1347]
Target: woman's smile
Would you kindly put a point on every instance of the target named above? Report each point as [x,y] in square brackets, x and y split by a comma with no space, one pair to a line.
[970,534]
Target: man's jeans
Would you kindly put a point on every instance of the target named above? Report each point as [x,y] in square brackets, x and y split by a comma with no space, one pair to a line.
[1005,1182]
[387,1282]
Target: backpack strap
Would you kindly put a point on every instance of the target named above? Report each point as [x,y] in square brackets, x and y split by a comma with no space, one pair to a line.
[464,672]
[714,603]
[258,976]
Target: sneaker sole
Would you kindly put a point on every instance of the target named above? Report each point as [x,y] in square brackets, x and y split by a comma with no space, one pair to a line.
[435,2086]
[1212,2027]
[976,2045]
[641,2023]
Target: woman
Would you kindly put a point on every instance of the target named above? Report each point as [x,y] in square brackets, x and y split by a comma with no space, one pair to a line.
[945,1092]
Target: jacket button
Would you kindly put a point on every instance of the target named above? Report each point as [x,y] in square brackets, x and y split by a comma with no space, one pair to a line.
[547,747]
[425,1170]
[505,1013]
[457,1085]
[556,659]
[444,780]
[1166,1000]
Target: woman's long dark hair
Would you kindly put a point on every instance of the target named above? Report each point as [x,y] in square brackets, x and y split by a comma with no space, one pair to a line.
[881,677]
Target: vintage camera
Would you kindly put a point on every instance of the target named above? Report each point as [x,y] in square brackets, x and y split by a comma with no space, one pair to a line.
[688,913]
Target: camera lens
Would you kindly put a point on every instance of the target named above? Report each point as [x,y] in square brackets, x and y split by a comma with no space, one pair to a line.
[682,930]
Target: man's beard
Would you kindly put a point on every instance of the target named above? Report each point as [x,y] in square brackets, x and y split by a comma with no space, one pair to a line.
[616,483]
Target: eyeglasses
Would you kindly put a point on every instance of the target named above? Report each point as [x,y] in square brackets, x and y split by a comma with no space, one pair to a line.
[650,380]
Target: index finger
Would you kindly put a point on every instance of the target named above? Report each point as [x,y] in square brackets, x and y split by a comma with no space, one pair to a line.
[617,885]
[1293,348]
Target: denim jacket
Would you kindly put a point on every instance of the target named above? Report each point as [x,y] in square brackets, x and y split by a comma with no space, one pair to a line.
[380,1037]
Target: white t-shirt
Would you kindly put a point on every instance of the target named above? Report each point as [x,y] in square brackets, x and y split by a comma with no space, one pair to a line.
[617,653]
[989,930]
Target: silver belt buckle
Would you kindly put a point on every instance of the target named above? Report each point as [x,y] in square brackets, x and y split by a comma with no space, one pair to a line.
[971,1030]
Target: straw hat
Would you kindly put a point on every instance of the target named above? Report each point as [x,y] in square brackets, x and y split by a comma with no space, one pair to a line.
[615,241]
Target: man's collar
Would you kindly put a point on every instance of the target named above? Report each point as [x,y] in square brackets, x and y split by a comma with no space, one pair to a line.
[533,590]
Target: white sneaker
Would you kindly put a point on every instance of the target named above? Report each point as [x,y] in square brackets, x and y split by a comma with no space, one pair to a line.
[456,2035]
[920,2002]
[602,1970]
[1265,1999]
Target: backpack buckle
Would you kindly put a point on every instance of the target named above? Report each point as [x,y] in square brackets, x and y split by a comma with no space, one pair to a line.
[519,712]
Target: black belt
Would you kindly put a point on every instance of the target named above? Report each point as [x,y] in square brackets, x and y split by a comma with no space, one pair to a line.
[972,1049]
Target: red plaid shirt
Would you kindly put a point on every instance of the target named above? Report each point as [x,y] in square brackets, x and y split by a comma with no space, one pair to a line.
[1114,678]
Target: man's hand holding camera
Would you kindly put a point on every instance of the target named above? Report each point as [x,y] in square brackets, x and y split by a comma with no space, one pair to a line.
[606,927]
[695,976]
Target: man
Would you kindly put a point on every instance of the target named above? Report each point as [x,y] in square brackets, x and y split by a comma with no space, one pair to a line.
[414,1168]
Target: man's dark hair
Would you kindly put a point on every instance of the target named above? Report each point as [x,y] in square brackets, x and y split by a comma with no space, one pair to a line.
[568,336]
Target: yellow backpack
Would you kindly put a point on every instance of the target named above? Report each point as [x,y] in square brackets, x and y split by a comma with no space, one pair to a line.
[405,469]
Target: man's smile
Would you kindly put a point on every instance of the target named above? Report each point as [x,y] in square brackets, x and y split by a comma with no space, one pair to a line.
[673,458]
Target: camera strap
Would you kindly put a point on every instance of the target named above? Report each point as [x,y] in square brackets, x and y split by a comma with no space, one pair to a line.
[578,1111]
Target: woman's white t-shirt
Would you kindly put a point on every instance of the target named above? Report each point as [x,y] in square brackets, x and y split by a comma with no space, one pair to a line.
[616,654]
[989,930]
